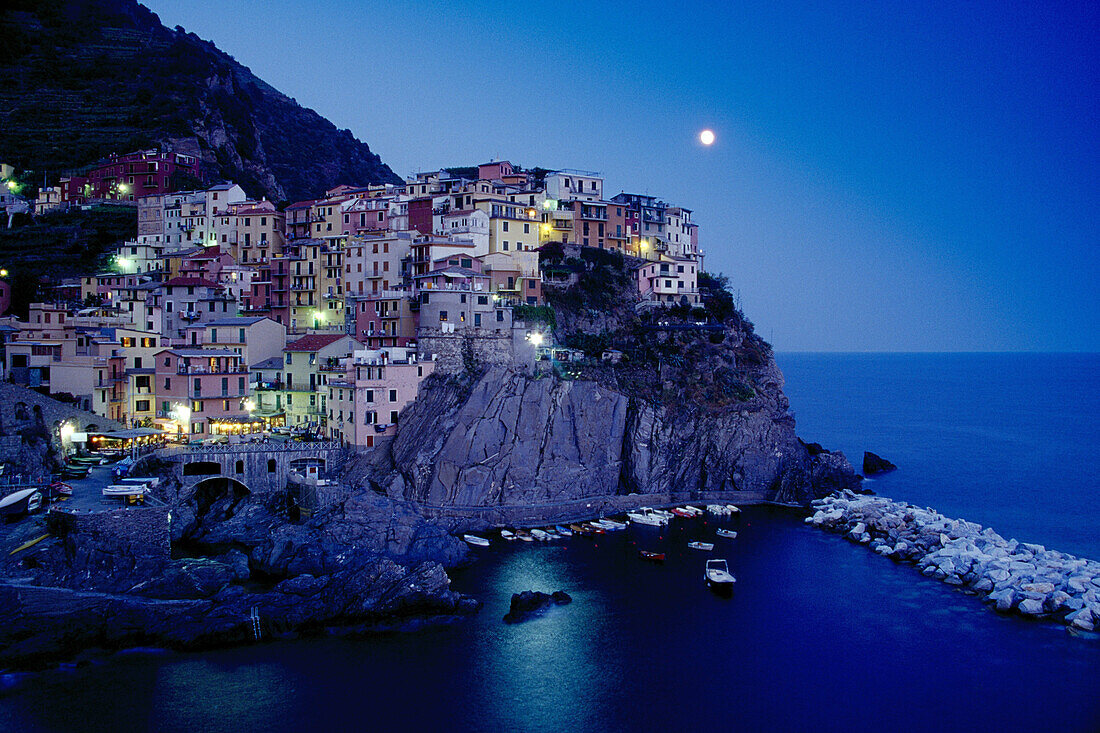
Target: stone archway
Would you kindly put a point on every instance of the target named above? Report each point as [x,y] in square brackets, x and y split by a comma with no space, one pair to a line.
[214,500]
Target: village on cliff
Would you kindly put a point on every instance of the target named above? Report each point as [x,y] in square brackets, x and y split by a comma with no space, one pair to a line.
[227,318]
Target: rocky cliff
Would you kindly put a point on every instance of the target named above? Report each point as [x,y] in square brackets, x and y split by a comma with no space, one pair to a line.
[696,406]
[84,78]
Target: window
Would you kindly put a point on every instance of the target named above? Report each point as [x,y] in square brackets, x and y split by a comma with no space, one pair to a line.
[213,335]
[288,357]
[393,416]
[393,395]
[370,395]
[142,405]
[504,226]
[442,315]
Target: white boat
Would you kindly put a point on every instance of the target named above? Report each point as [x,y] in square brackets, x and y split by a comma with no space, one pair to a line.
[727,533]
[475,540]
[611,524]
[524,536]
[645,515]
[125,490]
[658,512]
[539,535]
[695,511]
[718,509]
[705,546]
[718,574]
[24,501]
[564,531]
[733,508]
[552,534]
[508,535]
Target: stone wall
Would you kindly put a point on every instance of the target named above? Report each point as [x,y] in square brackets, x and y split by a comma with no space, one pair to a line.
[451,350]
[143,530]
[262,468]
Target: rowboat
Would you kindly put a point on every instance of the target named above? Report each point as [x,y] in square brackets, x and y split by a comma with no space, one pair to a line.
[524,536]
[125,490]
[579,528]
[734,509]
[680,512]
[540,535]
[651,556]
[596,527]
[563,530]
[693,510]
[552,533]
[717,575]
[20,502]
[727,533]
[612,524]
[475,540]
[704,546]
[508,535]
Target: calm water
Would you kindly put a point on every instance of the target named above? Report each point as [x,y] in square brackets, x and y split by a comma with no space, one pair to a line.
[819,634]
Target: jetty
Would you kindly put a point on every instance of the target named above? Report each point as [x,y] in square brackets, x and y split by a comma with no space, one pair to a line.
[1014,577]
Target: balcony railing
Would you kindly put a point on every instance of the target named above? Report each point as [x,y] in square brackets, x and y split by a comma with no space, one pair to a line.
[215,370]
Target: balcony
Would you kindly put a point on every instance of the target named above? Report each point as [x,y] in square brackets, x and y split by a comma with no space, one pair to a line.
[268,386]
[215,370]
[189,315]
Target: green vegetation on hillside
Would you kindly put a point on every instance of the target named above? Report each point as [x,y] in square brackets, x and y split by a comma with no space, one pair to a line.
[60,245]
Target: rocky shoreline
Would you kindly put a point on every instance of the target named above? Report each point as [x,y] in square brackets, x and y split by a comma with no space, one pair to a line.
[1014,577]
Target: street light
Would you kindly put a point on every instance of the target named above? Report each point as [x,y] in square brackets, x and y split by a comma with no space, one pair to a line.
[536,339]
[183,416]
[3,272]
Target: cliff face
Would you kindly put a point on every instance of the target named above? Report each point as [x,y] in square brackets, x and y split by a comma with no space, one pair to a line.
[84,78]
[518,439]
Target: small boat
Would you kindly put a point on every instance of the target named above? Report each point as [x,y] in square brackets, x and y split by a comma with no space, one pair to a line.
[717,575]
[125,490]
[473,539]
[524,536]
[21,502]
[718,510]
[646,516]
[563,530]
[682,512]
[551,533]
[695,511]
[580,528]
[651,556]
[59,488]
[508,535]
[727,533]
[596,528]
[734,509]
[658,512]
[704,546]
[612,524]
[540,535]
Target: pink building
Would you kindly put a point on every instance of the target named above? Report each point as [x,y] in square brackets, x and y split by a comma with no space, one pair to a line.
[141,173]
[494,171]
[669,281]
[366,401]
[211,386]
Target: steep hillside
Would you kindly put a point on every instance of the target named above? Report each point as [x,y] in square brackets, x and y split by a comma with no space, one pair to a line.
[83,78]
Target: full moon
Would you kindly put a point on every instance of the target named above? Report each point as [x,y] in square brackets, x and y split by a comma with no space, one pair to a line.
[706,137]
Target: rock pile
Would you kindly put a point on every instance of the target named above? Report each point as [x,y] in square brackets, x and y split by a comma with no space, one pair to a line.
[530,602]
[1014,576]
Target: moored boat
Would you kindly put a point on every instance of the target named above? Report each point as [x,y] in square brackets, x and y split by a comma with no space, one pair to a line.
[552,533]
[473,539]
[540,535]
[705,546]
[651,556]
[24,501]
[693,510]
[579,528]
[563,530]
[595,527]
[612,524]
[646,516]
[727,533]
[508,535]
[681,512]
[658,512]
[717,575]
[720,510]
[734,509]
[524,535]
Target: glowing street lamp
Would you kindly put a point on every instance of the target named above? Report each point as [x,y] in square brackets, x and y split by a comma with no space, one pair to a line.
[183,417]
[3,272]
[536,339]
[123,188]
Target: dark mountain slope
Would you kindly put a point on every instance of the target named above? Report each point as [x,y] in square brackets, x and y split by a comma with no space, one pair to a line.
[83,78]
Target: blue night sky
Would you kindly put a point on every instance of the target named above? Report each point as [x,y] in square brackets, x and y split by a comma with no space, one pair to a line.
[887,177]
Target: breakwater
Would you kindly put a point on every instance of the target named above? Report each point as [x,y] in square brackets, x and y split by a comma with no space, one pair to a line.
[1014,576]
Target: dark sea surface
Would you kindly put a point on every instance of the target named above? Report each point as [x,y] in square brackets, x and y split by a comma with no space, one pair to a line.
[820,634]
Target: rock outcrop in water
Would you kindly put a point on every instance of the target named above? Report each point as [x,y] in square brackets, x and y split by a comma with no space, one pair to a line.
[1013,576]
[873,464]
[528,603]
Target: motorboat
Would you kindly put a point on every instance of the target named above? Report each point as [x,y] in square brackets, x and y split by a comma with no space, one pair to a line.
[718,509]
[540,535]
[646,516]
[704,546]
[563,530]
[727,533]
[681,512]
[658,512]
[596,527]
[612,524]
[718,576]
[508,535]
[473,539]
[125,490]
[693,510]
[524,536]
[651,556]
[21,502]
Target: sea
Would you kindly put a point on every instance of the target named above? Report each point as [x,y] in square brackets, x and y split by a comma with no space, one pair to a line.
[819,635]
